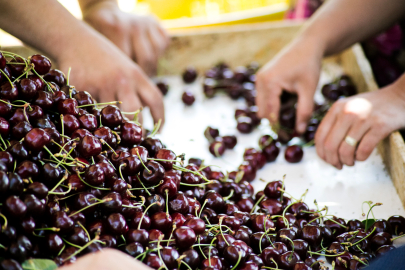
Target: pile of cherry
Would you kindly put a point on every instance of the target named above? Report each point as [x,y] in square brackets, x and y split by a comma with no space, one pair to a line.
[75,179]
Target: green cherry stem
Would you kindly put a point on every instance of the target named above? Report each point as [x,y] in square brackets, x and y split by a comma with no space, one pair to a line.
[237,263]
[101,104]
[91,205]
[257,203]
[155,129]
[60,182]
[82,248]
[87,184]
[5,75]
[147,191]
[84,229]
[5,222]
[143,164]
[202,207]
[71,244]
[229,196]
[146,210]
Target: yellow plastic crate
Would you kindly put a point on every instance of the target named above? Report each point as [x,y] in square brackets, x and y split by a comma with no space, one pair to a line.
[199,13]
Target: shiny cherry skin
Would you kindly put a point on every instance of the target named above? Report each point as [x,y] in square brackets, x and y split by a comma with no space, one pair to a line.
[9,91]
[169,257]
[161,221]
[293,154]
[117,224]
[111,116]
[312,234]
[397,224]
[288,260]
[244,124]
[131,134]
[217,148]
[188,98]
[272,206]
[136,219]
[141,236]
[15,207]
[41,63]
[133,249]
[191,258]
[56,76]
[27,88]
[185,237]
[153,174]
[36,139]
[230,141]
[152,145]
[90,146]
[196,224]
[189,75]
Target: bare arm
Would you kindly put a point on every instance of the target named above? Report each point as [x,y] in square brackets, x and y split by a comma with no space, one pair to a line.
[98,66]
[340,23]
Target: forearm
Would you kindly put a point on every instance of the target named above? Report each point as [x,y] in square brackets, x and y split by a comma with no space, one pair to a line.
[86,5]
[47,26]
[340,23]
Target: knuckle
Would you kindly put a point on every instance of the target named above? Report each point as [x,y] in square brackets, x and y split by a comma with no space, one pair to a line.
[363,152]
[330,146]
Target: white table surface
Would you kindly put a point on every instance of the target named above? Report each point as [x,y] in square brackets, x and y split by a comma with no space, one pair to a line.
[342,191]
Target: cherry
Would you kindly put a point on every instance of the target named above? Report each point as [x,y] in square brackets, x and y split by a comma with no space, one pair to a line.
[288,233]
[167,155]
[272,206]
[62,221]
[41,63]
[97,227]
[355,224]
[302,266]
[133,249]
[80,133]
[223,241]
[70,123]
[214,262]
[153,173]
[10,264]
[293,154]
[44,100]
[9,91]
[189,75]
[397,224]
[78,237]
[38,189]
[111,116]
[131,134]
[163,87]
[15,206]
[217,148]
[211,133]
[231,254]
[300,247]
[249,266]
[381,225]
[90,146]
[16,69]
[270,255]
[257,240]
[94,175]
[280,224]
[380,239]
[157,201]
[3,61]
[196,224]
[152,145]
[146,221]
[88,121]
[4,127]
[383,250]
[161,221]
[114,203]
[245,204]
[27,88]
[336,228]
[152,260]
[68,106]
[117,224]
[288,260]
[5,108]
[169,257]
[36,139]
[179,204]
[229,141]
[106,134]
[191,258]
[109,240]
[244,124]
[56,76]
[188,98]
[271,152]
[253,258]
[21,129]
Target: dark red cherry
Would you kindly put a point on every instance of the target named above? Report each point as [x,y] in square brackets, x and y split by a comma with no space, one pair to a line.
[10,264]
[355,224]
[136,219]
[272,206]
[70,123]
[179,204]
[5,108]
[230,141]
[161,221]
[298,208]
[44,100]
[211,133]
[188,98]
[15,207]
[312,234]
[36,139]
[272,189]
[68,106]
[117,224]
[152,145]
[153,174]
[271,152]
[56,76]
[90,146]
[41,63]
[38,189]
[169,257]
[8,91]
[166,154]
[131,134]
[111,116]
[293,154]
[381,225]
[397,224]
[217,148]
[88,121]
[383,250]
[3,61]
[288,260]
[21,129]
[153,261]
[212,263]
[62,221]
[244,124]
[380,239]
[133,249]
[4,127]
[196,224]
[94,175]
[334,226]
[189,75]
[141,236]
[27,88]
[17,69]
[163,87]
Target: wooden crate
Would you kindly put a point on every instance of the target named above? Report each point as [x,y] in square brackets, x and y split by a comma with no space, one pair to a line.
[238,45]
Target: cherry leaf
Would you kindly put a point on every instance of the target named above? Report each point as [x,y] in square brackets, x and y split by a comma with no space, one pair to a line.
[39,264]
[368,223]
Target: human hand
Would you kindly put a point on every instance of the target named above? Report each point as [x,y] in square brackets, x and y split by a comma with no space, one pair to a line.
[295,69]
[140,37]
[106,259]
[367,118]
[99,67]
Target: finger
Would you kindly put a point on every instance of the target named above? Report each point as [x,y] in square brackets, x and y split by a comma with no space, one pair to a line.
[323,130]
[305,107]
[335,138]
[105,95]
[368,143]
[157,41]
[151,96]
[347,151]
[144,54]
[268,99]
[130,102]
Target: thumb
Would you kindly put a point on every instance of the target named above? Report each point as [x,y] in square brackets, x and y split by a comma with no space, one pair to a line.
[305,107]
